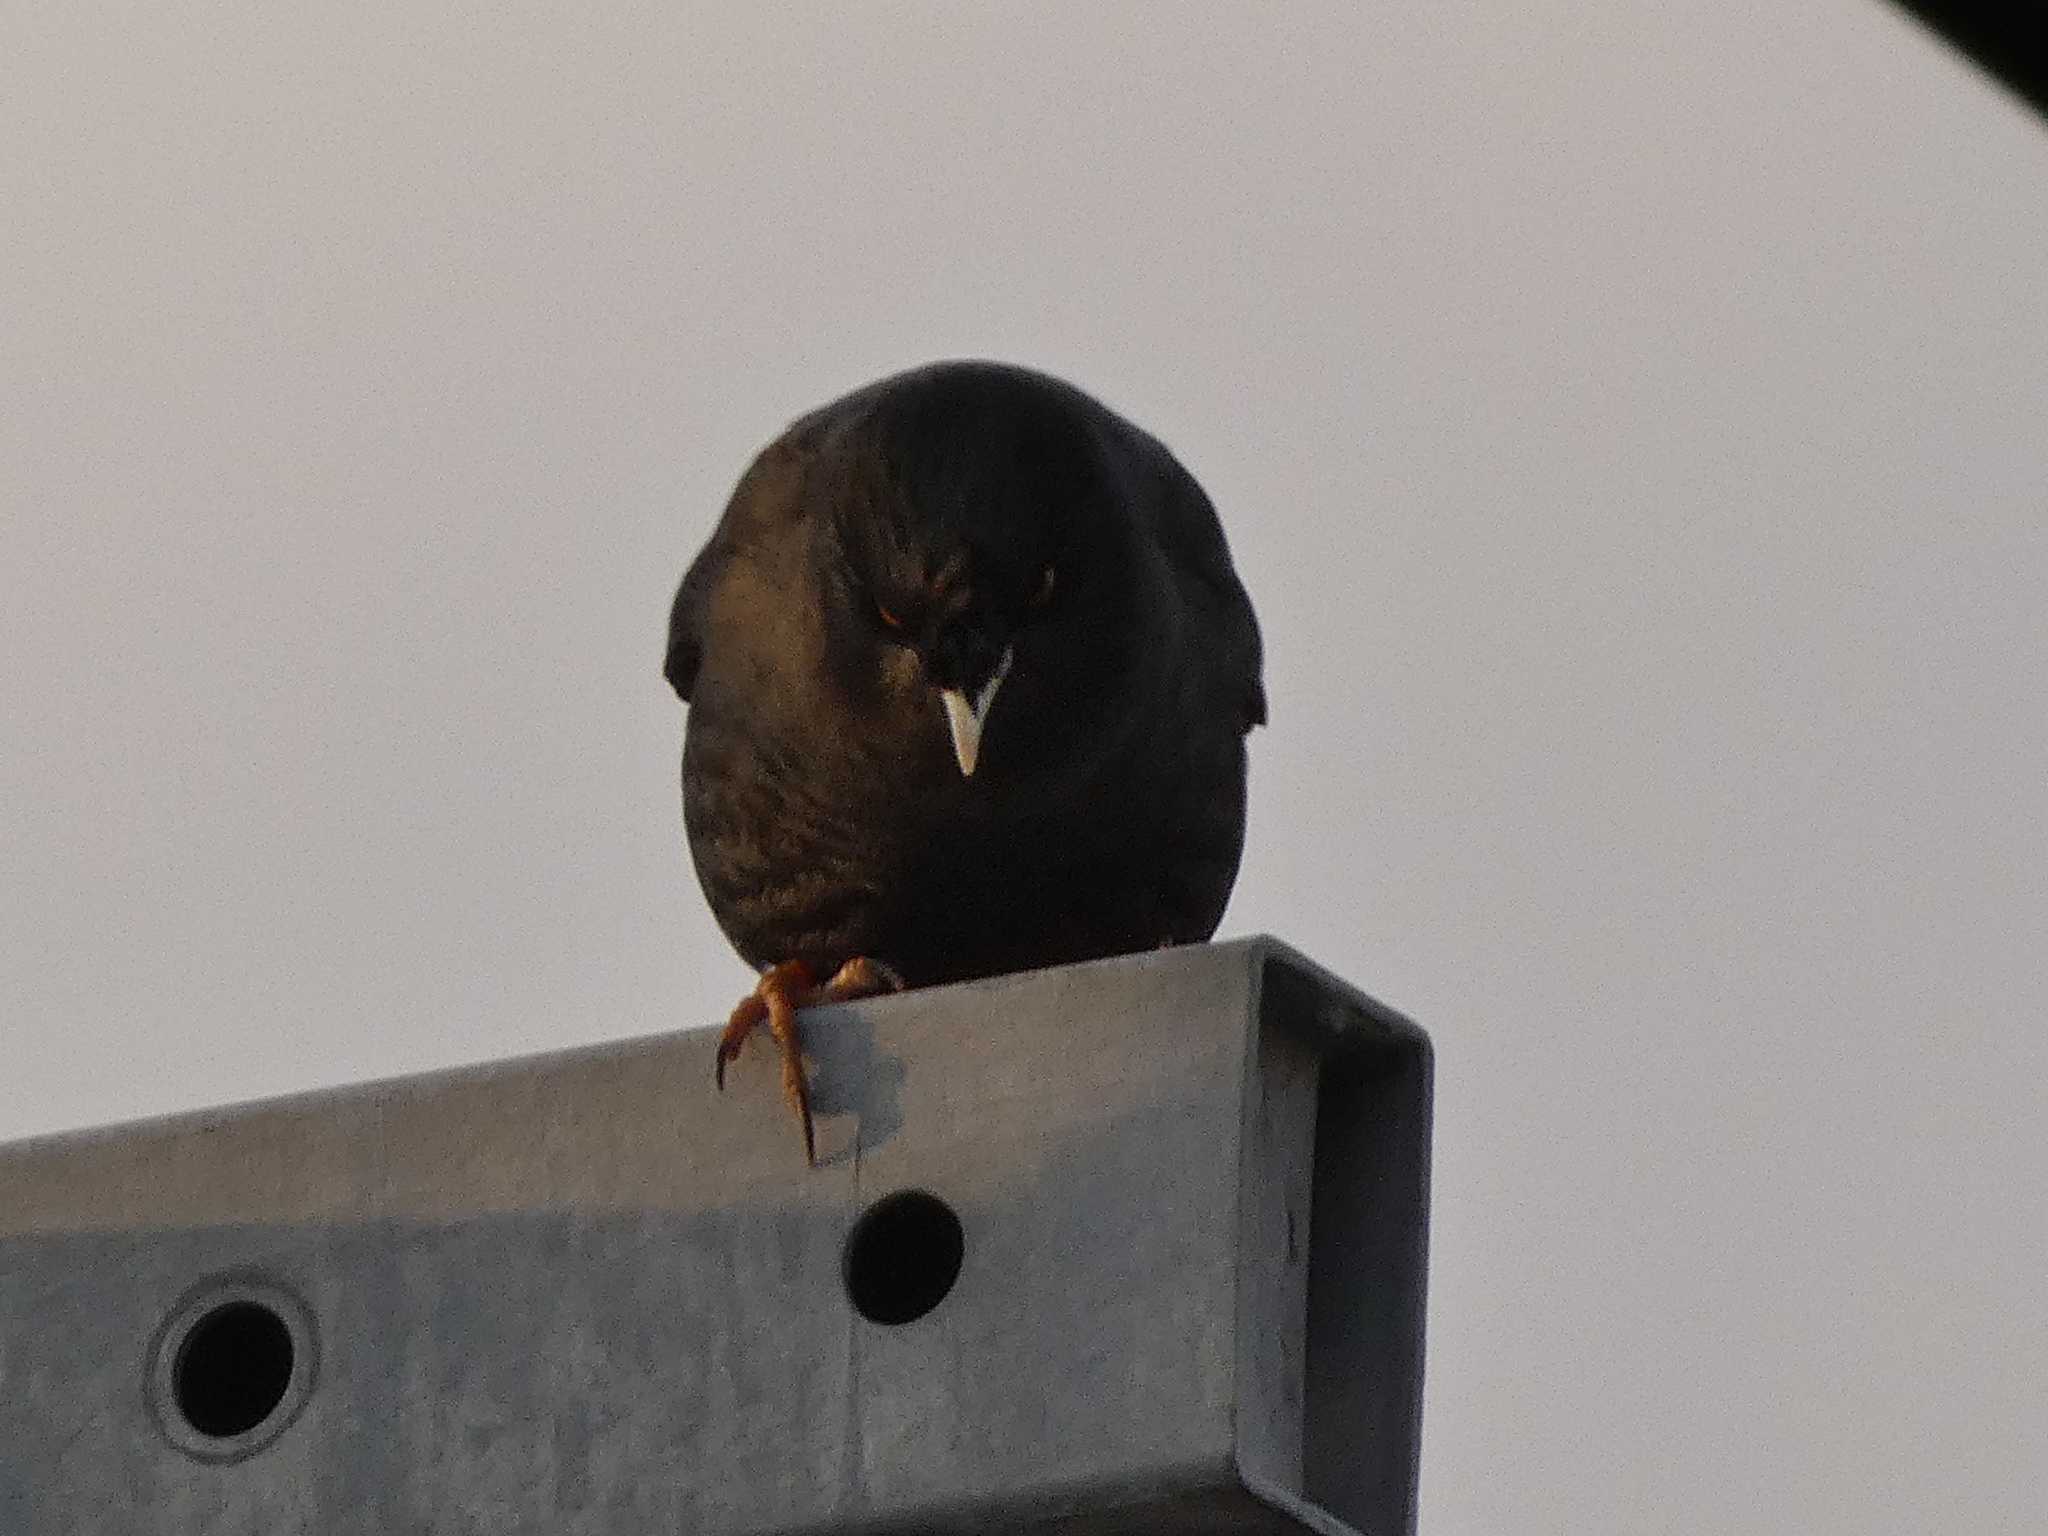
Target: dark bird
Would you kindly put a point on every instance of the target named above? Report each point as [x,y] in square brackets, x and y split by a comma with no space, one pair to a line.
[969,675]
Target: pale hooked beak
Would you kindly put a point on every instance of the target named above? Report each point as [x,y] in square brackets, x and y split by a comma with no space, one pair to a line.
[965,719]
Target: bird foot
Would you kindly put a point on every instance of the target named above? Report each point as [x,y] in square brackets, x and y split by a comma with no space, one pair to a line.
[782,991]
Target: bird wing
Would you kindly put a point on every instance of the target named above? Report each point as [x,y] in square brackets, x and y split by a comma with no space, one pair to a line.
[766,496]
[686,618]
[1191,537]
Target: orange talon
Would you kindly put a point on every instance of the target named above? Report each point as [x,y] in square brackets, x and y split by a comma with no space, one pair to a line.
[781,992]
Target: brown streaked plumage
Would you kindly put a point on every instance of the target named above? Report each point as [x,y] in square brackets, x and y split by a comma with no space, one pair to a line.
[969,675]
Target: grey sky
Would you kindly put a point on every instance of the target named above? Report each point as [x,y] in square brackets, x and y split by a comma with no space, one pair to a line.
[1629,420]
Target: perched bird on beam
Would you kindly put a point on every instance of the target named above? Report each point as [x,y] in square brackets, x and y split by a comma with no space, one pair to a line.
[969,674]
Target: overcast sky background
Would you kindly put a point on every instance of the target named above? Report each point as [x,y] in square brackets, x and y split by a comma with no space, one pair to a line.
[1631,421]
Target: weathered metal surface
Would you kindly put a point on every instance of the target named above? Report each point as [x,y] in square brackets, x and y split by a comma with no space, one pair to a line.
[581,1293]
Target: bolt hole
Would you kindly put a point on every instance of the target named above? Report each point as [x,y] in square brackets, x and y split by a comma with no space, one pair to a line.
[902,1257]
[233,1369]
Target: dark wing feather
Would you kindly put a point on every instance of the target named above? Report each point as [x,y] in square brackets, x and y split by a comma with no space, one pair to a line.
[1191,537]
[769,492]
[686,618]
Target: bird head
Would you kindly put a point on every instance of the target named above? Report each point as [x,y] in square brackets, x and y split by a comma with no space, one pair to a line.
[964,635]
[979,543]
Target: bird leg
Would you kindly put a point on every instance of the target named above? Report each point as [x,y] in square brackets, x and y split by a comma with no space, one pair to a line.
[782,990]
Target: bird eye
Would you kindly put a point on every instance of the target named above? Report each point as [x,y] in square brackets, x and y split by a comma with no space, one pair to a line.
[1044,593]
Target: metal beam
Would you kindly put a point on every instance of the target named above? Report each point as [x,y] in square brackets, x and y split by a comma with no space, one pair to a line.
[1160,1268]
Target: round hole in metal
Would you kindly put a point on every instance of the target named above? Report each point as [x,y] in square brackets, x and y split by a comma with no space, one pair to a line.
[902,1257]
[231,1367]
